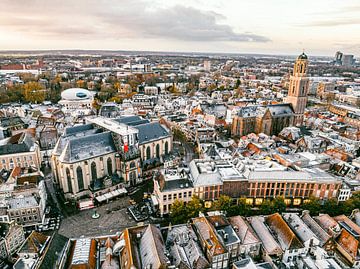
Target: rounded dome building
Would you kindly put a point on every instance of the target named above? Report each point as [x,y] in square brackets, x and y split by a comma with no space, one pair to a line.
[77,101]
[75,94]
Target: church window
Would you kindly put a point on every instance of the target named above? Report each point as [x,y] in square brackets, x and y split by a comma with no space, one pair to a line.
[166,147]
[157,151]
[80,178]
[93,171]
[109,166]
[68,178]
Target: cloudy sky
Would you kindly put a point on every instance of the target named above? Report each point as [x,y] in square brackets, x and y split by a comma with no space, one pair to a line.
[320,27]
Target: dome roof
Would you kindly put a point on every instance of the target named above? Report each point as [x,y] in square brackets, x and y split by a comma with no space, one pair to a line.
[302,56]
[76,94]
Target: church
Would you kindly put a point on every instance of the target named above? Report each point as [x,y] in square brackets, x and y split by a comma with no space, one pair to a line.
[105,154]
[271,119]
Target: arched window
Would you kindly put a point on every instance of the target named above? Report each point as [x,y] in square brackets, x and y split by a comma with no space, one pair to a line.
[68,178]
[93,171]
[80,178]
[166,147]
[132,178]
[158,151]
[148,153]
[109,166]
[132,165]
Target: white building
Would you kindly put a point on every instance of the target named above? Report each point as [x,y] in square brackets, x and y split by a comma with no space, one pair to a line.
[77,101]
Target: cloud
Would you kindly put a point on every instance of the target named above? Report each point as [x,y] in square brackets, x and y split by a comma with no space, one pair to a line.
[338,22]
[179,23]
[105,19]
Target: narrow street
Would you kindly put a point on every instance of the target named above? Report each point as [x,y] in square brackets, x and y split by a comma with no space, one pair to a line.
[52,192]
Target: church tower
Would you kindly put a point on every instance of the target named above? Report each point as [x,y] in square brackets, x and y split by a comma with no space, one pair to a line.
[298,89]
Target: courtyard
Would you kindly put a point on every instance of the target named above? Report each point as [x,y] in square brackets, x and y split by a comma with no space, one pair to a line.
[114,218]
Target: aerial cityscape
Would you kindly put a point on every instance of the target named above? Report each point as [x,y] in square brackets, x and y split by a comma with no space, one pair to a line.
[179,134]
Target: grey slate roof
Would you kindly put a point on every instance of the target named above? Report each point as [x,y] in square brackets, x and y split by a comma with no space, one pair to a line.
[78,128]
[87,147]
[151,132]
[175,184]
[6,122]
[128,119]
[135,123]
[24,145]
[280,109]
[275,110]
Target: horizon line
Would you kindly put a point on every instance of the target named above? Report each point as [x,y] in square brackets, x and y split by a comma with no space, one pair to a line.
[158,51]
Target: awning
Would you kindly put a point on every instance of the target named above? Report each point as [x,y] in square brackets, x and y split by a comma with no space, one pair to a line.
[154,200]
[111,194]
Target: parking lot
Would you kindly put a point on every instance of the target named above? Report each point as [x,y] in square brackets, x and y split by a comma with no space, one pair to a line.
[81,224]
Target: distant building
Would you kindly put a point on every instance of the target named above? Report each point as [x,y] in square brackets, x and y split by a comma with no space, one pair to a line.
[151,90]
[269,120]
[348,60]
[110,110]
[19,150]
[207,65]
[76,101]
[338,57]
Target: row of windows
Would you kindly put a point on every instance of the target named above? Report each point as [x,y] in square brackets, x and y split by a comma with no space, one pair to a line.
[23,212]
[157,151]
[176,196]
[80,176]
[18,159]
[25,219]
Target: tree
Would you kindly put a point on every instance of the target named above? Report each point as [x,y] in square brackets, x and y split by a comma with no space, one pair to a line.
[13,93]
[178,135]
[313,205]
[224,203]
[193,207]
[331,207]
[34,92]
[266,207]
[278,204]
[178,212]
[243,208]
[81,84]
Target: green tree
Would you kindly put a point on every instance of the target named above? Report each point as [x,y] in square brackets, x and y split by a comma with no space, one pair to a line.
[224,203]
[313,205]
[178,213]
[13,93]
[266,208]
[34,92]
[278,204]
[331,207]
[243,208]
[193,207]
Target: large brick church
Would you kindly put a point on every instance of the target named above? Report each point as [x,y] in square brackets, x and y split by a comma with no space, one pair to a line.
[271,119]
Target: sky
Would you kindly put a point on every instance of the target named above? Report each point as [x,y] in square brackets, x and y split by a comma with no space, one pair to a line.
[319,27]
